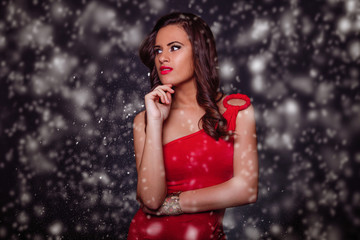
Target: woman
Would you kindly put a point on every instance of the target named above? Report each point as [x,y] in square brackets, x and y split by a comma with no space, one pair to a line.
[195,149]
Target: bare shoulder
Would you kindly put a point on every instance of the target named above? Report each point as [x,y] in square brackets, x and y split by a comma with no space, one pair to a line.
[249,111]
[139,136]
[245,117]
[140,117]
[139,121]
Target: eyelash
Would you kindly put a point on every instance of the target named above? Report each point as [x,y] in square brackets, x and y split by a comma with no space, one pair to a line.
[178,47]
[172,49]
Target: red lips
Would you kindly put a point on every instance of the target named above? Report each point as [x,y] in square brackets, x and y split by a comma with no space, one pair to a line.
[165,70]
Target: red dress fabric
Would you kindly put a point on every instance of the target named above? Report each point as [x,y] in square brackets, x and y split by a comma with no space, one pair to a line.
[192,162]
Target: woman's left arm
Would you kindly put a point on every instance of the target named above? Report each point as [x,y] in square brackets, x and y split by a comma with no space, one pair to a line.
[242,188]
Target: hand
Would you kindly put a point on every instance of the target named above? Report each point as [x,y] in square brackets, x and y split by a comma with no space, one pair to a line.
[170,207]
[156,110]
[150,211]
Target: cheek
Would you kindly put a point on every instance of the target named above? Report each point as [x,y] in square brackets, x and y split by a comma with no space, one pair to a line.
[191,65]
[157,66]
[191,60]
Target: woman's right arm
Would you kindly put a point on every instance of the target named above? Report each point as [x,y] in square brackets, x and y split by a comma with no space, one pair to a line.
[151,186]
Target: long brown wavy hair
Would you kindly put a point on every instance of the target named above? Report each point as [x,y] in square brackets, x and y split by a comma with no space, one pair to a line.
[205,64]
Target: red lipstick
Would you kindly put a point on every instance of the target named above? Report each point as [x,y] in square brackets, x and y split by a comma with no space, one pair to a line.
[165,70]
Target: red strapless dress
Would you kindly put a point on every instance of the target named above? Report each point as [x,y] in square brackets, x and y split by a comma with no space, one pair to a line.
[192,162]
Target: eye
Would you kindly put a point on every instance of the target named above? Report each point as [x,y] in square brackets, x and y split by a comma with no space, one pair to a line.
[157,51]
[175,47]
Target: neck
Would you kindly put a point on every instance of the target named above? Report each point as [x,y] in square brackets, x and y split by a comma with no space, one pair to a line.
[185,96]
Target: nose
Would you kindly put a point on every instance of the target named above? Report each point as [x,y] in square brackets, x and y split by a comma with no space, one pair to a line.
[163,57]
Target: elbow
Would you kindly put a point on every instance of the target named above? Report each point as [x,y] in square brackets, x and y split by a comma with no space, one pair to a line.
[250,197]
[153,205]
[253,198]
[150,196]
[150,202]
[246,192]
[253,193]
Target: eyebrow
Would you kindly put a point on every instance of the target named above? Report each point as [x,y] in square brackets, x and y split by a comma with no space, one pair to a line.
[169,44]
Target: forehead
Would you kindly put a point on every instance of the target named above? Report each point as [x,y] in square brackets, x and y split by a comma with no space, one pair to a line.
[171,33]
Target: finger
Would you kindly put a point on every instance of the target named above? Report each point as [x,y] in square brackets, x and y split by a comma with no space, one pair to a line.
[169,96]
[156,94]
[167,87]
[164,98]
[162,89]
[162,95]
[148,211]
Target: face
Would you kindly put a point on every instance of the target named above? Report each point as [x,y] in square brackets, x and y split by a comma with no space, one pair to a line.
[173,55]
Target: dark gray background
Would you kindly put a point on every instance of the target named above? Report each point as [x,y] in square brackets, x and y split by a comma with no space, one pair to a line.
[72,82]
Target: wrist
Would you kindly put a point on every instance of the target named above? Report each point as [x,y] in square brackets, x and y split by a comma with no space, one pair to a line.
[153,123]
[171,205]
[187,203]
[181,202]
[154,129]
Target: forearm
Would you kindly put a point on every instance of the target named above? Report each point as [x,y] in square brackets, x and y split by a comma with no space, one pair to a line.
[151,186]
[234,192]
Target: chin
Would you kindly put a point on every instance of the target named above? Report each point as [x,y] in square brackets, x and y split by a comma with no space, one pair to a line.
[167,82]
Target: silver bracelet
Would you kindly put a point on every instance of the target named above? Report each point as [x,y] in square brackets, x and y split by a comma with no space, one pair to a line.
[171,205]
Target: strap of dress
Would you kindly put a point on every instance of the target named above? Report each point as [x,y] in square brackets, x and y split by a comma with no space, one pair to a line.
[232,111]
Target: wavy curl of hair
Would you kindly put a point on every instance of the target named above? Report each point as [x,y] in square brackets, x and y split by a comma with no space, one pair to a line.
[205,64]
